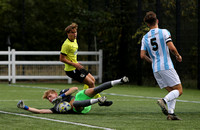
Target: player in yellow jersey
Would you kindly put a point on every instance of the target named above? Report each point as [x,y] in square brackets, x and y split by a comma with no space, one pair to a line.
[73,69]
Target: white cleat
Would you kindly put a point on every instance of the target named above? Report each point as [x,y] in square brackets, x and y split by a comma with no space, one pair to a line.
[124,79]
[163,107]
[102,99]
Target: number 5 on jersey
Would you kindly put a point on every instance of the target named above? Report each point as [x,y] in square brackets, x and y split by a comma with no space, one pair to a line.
[154,44]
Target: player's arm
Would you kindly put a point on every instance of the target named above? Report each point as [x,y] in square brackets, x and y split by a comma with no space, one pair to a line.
[40,111]
[174,51]
[65,60]
[21,105]
[69,92]
[144,56]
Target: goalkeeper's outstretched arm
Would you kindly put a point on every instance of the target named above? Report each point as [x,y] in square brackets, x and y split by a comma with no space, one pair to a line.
[21,105]
[40,111]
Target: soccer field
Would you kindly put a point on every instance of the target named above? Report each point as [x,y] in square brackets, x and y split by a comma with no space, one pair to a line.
[134,107]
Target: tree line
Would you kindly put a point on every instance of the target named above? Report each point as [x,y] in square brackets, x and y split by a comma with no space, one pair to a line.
[115,26]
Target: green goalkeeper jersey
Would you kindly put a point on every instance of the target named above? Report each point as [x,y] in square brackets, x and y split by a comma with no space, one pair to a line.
[70,49]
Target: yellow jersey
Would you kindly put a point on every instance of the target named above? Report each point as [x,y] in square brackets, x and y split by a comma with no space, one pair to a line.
[70,50]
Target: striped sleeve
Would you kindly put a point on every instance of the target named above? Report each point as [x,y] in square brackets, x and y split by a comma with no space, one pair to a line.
[143,45]
[167,36]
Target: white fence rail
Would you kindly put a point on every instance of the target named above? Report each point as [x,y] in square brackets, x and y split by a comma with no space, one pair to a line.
[13,62]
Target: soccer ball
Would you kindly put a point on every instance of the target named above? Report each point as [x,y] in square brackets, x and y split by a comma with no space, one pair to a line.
[63,107]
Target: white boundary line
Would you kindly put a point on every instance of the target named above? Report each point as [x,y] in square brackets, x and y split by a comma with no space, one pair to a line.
[123,95]
[60,121]
[114,94]
[17,100]
[23,86]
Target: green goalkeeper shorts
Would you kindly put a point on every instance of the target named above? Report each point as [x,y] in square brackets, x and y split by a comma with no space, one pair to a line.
[82,96]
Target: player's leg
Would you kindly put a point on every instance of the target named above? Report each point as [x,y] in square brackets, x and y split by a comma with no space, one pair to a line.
[171,106]
[97,95]
[86,87]
[92,92]
[168,78]
[85,103]
[89,77]
[174,92]
[170,98]
[89,81]
[82,102]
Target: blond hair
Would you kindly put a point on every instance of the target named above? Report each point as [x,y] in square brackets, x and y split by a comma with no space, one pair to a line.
[46,93]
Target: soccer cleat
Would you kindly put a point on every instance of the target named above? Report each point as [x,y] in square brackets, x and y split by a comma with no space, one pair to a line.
[162,105]
[173,117]
[106,103]
[124,79]
[20,104]
[103,102]
[102,99]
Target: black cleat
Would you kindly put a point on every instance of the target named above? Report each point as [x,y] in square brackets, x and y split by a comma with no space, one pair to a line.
[106,103]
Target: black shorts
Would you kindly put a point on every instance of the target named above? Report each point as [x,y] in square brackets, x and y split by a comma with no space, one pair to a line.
[78,75]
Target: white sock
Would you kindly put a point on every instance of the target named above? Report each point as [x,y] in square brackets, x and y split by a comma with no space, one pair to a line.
[93,101]
[171,106]
[171,96]
[115,82]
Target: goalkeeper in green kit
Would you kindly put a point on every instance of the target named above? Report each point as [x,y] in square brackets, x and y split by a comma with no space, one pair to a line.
[80,103]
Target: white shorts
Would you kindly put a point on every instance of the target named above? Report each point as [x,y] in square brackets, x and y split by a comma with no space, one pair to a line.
[167,78]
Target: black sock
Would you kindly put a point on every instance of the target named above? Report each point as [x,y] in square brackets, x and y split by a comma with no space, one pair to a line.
[83,103]
[102,87]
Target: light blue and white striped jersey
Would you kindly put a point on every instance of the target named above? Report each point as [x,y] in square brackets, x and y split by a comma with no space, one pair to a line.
[155,42]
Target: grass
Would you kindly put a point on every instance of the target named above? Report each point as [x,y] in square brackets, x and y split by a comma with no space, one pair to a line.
[134,108]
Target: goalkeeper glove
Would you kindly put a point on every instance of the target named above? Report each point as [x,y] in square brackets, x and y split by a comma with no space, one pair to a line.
[21,105]
[57,100]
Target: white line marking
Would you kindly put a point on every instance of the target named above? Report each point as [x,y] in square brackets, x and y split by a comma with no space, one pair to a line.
[114,94]
[124,95]
[23,86]
[67,122]
[17,100]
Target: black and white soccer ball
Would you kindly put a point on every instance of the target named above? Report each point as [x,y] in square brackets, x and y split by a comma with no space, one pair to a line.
[63,107]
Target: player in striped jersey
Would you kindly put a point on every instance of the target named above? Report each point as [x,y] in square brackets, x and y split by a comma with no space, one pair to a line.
[157,42]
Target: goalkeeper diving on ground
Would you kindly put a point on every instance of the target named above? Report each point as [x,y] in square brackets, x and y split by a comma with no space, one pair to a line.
[80,103]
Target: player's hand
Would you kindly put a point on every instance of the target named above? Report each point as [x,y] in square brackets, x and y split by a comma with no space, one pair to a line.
[78,66]
[57,100]
[21,104]
[179,58]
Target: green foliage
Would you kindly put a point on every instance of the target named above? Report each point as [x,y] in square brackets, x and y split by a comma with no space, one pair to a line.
[37,25]
[141,31]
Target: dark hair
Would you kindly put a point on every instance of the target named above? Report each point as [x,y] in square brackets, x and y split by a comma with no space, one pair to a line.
[150,18]
[70,27]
